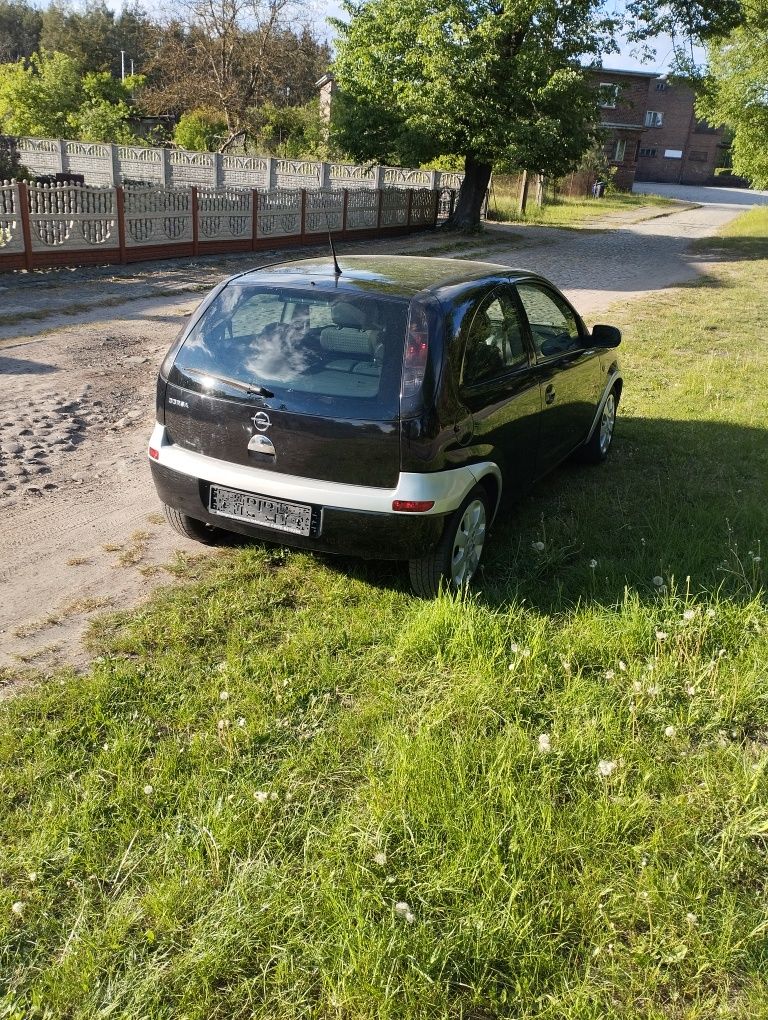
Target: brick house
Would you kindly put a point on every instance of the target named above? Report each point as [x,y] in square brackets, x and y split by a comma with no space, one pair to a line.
[653,131]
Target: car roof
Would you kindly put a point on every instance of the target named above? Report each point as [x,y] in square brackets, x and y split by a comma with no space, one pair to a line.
[395,275]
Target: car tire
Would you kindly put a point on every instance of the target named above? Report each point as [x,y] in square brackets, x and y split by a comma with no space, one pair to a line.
[597,447]
[454,561]
[190,527]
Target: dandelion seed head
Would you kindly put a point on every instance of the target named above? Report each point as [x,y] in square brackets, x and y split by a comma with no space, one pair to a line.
[404,911]
[670,731]
[32,876]
[514,648]
[17,908]
[657,581]
[544,743]
[538,546]
[691,918]
[661,635]
[689,614]
[149,789]
[241,722]
[690,690]
[380,858]
[261,796]
[605,768]
[610,674]
[223,695]
[622,666]
[593,564]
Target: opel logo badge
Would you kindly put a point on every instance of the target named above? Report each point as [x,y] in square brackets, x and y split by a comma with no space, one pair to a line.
[261,421]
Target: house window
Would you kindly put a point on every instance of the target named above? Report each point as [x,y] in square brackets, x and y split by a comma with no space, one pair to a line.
[609,93]
[654,118]
[697,156]
[661,86]
[619,149]
[647,153]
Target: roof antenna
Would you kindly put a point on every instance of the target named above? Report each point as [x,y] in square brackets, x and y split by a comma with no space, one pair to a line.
[336,266]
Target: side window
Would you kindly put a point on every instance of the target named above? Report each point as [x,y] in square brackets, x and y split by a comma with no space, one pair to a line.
[494,340]
[553,325]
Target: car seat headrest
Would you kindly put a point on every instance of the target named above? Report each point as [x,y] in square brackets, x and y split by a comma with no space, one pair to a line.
[343,313]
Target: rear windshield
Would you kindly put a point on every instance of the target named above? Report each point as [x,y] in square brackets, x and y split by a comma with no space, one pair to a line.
[314,351]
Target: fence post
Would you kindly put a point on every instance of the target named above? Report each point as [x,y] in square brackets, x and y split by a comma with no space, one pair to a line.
[410,207]
[325,175]
[218,170]
[303,214]
[120,201]
[195,223]
[116,176]
[271,173]
[254,218]
[378,177]
[344,209]
[433,179]
[378,213]
[60,154]
[26,232]
[165,168]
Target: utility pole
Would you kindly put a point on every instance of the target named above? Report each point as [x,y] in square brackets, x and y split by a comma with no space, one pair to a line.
[122,65]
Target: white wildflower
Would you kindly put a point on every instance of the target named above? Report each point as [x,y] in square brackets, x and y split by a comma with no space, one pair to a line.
[222,724]
[657,582]
[605,768]
[670,731]
[261,796]
[149,789]
[652,690]
[610,674]
[221,667]
[514,648]
[241,722]
[643,895]
[637,687]
[661,635]
[273,795]
[544,743]
[755,559]
[403,910]
[622,666]
[689,614]
[380,858]
[223,695]
[691,918]
[711,613]
[105,747]
[32,876]
[592,564]
[690,690]
[17,908]
[538,546]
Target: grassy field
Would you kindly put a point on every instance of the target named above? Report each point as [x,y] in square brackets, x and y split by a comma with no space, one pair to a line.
[563,211]
[290,789]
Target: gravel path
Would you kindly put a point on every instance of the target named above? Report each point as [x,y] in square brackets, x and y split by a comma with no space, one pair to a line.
[78,359]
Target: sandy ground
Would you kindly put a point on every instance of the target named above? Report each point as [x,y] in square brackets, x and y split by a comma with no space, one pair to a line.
[79,351]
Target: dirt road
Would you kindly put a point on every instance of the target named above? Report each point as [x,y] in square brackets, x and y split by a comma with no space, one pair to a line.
[79,352]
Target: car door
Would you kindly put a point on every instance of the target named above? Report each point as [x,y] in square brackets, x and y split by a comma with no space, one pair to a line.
[568,372]
[499,386]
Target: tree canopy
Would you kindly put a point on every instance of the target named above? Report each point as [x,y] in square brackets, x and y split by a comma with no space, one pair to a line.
[735,93]
[499,82]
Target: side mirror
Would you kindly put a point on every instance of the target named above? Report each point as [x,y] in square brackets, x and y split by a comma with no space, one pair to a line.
[606,336]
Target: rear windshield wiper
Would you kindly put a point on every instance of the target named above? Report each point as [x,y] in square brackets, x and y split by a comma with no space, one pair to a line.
[254,388]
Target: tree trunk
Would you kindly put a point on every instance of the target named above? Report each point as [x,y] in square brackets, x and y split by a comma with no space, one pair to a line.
[523,200]
[466,215]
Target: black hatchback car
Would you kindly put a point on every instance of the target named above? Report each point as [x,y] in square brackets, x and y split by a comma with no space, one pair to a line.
[381,411]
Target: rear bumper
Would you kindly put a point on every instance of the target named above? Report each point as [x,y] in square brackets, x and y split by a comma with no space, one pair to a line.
[342,532]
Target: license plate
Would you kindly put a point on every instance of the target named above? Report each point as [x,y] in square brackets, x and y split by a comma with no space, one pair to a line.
[262,510]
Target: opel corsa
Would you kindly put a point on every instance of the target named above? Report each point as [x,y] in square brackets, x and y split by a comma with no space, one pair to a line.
[381,410]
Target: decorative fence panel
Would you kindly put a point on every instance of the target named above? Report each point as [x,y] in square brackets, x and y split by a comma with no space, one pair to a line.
[11,237]
[72,218]
[103,163]
[44,225]
[225,214]
[158,216]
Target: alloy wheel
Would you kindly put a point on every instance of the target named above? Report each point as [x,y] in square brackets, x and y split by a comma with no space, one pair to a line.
[468,544]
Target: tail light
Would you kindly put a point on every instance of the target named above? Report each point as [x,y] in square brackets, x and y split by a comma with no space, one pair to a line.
[413,506]
[416,351]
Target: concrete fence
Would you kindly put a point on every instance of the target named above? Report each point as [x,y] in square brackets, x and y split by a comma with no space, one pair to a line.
[42,226]
[102,163]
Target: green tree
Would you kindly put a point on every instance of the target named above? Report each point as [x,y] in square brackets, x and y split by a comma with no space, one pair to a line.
[88,36]
[498,81]
[39,96]
[293,132]
[105,113]
[20,25]
[201,130]
[735,93]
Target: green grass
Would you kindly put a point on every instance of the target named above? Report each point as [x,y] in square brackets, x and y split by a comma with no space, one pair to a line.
[564,211]
[219,819]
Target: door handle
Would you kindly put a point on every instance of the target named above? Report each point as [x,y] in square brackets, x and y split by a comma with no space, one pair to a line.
[549,394]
